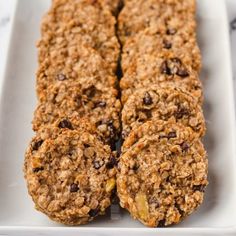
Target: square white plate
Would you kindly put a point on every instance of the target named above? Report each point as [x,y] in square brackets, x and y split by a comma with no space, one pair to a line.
[217,215]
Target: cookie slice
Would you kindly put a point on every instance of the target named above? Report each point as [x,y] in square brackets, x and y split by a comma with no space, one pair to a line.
[163,174]
[167,103]
[94,101]
[69,174]
[152,44]
[67,25]
[73,64]
[159,17]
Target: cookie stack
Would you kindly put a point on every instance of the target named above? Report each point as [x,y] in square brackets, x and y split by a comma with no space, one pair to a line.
[163,166]
[69,164]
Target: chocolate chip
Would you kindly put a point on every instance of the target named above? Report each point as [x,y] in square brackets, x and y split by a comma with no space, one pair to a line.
[112,162]
[167,44]
[171,31]
[74,188]
[184,146]
[165,69]
[182,73]
[96,165]
[90,92]
[101,104]
[171,135]
[86,145]
[93,212]
[37,145]
[37,169]
[181,111]
[161,223]
[147,100]
[61,77]
[65,124]
[199,188]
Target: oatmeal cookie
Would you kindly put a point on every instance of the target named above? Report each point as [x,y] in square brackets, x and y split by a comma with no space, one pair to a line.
[161,72]
[69,174]
[162,176]
[152,44]
[99,104]
[73,64]
[67,25]
[167,103]
[163,17]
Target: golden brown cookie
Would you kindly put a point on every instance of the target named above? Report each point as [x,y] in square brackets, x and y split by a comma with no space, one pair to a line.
[70,174]
[162,173]
[167,103]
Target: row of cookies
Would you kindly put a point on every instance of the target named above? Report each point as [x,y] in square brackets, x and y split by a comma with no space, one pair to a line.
[162,170]
[69,164]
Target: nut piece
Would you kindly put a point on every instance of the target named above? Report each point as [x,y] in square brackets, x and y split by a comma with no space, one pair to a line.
[111,183]
[142,205]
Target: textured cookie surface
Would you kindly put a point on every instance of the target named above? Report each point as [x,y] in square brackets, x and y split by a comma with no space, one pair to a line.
[162,175]
[69,174]
[79,22]
[167,103]
[161,17]
[152,44]
[73,64]
[99,104]
[161,67]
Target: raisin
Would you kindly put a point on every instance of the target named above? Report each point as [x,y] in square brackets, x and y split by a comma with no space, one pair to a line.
[37,145]
[74,188]
[147,100]
[65,124]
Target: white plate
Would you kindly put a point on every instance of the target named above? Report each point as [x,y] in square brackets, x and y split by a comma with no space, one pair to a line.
[217,215]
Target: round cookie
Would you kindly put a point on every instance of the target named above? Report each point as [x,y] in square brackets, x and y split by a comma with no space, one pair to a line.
[166,66]
[70,174]
[99,104]
[167,103]
[163,174]
[152,44]
[73,64]
[67,25]
[159,17]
